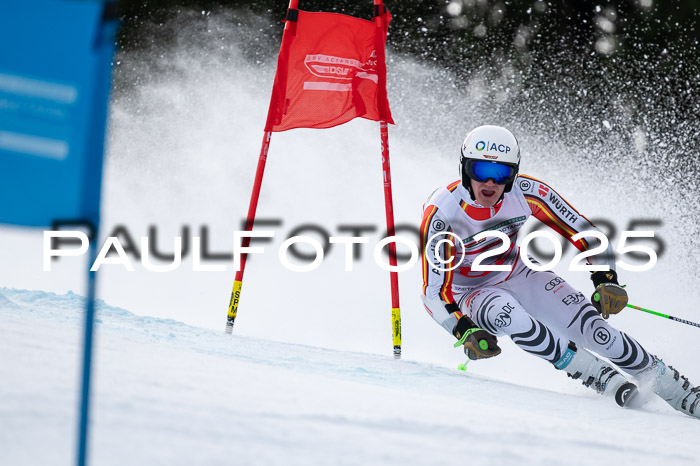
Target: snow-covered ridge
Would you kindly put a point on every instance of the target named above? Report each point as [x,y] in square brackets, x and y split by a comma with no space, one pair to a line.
[169,393]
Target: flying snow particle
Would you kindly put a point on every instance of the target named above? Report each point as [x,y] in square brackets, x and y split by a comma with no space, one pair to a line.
[480,30]
[605,45]
[454,8]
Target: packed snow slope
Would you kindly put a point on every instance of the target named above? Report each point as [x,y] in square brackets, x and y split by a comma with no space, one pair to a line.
[169,393]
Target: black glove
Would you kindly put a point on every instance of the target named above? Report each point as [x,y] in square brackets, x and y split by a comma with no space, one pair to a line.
[609,297]
[478,343]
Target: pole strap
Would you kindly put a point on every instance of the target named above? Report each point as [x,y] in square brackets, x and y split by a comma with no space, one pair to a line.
[380,10]
[461,341]
[292,15]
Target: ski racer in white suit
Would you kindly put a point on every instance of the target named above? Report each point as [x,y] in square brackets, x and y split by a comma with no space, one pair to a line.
[538,310]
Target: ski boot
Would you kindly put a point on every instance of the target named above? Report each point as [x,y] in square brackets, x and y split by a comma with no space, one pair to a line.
[596,374]
[674,388]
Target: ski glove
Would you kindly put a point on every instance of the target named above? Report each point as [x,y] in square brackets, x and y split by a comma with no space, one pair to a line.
[478,343]
[609,297]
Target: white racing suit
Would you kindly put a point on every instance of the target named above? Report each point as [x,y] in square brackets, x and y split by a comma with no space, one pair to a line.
[539,311]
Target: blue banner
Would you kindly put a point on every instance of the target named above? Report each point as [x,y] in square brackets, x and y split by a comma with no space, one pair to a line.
[55,69]
[55,77]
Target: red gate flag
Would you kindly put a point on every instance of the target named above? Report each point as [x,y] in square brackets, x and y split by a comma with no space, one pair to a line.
[331,69]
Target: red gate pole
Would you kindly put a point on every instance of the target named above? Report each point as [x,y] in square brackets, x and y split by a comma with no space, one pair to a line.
[289,28]
[388,198]
[389,204]
[250,220]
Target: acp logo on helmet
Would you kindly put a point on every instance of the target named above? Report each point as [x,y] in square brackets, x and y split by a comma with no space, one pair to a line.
[492,146]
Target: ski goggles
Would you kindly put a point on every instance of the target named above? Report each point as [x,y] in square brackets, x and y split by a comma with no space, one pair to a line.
[482,170]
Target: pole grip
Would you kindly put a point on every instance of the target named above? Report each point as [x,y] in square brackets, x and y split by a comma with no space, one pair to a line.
[396,327]
[233,305]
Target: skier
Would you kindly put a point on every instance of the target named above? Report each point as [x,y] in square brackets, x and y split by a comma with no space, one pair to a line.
[538,310]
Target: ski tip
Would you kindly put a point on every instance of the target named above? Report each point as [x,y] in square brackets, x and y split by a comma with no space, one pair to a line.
[626,393]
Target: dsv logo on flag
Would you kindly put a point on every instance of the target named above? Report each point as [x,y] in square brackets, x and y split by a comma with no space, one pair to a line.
[327,66]
[338,68]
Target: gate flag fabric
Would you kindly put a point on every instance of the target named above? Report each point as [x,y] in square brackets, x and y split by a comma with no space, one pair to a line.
[328,72]
[331,68]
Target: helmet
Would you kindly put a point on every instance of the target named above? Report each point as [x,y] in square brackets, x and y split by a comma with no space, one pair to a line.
[489,152]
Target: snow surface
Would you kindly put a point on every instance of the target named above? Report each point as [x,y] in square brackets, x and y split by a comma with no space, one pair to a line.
[169,393]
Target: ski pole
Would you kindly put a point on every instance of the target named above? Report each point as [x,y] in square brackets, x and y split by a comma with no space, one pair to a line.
[664,315]
[483,344]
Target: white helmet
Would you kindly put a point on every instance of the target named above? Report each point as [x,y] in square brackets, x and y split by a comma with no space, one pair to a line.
[489,152]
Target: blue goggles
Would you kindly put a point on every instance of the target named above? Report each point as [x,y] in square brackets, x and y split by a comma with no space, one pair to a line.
[481,170]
